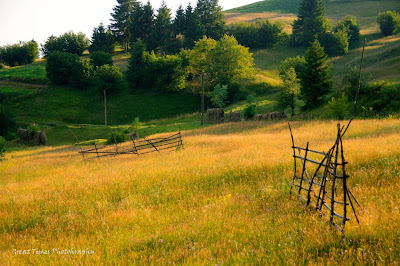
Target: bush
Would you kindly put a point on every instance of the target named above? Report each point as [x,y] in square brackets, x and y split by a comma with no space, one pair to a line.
[136,125]
[8,126]
[297,63]
[339,108]
[82,74]
[59,67]
[33,128]
[388,21]
[335,43]
[249,111]
[68,42]
[19,54]
[100,58]
[219,96]
[108,78]
[2,146]
[116,137]
[350,26]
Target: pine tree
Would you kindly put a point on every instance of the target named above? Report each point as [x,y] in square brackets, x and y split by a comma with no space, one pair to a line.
[142,22]
[316,79]
[136,64]
[120,22]
[193,29]
[310,22]
[102,40]
[211,18]
[162,30]
[179,21]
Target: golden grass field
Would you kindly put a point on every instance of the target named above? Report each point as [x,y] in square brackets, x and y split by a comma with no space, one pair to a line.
[224,199]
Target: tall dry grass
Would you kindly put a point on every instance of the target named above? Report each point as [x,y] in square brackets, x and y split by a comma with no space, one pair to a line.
[223,199]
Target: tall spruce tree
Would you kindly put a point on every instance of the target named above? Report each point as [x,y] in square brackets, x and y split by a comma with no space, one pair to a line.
[193,29]
[121,21]
[102,40]
[310,22]
[142,22]
[315,79]
[179,21]
[162,30]
[211,18]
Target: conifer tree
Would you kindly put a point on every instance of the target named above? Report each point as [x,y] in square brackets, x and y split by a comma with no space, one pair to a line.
[211,18]
[142,22]
[102,40]
[120,22]
[193,29]
[315,79]
[179,21]
[310,22]
[162,29]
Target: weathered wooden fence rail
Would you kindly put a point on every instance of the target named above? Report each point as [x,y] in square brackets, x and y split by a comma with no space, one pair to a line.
[320,180]
[135,147]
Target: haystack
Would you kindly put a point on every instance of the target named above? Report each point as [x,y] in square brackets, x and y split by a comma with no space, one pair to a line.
[39,138]
[234,117]
[215,115]
[257,117]
[23,134]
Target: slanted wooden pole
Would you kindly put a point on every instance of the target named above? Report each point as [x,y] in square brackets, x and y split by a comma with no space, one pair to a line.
[105,108]
[202,98]
[359,80]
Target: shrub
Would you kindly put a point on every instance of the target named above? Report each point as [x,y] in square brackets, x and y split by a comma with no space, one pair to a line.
[19,54]
[68,42]
[335,43]
[108,78]
[219,96]
[388,21]
[100,58]
[59,67]
[33,128]
[249,111]
[297,63]
[136,125]
[339,108]
[116,137]
[350,26]
[7,125]
[82,74]
[2,146]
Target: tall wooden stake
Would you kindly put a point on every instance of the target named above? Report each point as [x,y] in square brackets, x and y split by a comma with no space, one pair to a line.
[202,98]
[105,108]
[359,80]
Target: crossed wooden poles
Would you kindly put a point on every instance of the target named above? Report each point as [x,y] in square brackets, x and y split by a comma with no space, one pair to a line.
[326,187]
[136,147]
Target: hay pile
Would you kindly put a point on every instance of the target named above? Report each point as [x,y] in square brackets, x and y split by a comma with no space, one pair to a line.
[215,115]
[37,138]
[234,117]
[270,116]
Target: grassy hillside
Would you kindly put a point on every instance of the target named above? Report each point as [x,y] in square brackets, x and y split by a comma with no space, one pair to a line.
[224,199]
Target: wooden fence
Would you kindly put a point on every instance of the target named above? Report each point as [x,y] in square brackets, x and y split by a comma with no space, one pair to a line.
[320,179]
[134,147]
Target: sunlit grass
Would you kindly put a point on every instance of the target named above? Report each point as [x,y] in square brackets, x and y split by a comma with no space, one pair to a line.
[222,199]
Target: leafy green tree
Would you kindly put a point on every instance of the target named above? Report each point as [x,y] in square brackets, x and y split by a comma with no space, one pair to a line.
[100,58]
[162,30]
[102,40]
[350,26]
[69,42]
[200,55]
[219,96]
[19,54]
[121,21]
[108,78]
[291,89]
[211,18]
[315,80]
[82,74]
[297,63]
[231,63]
[59,67]
[388,21]
[310,22]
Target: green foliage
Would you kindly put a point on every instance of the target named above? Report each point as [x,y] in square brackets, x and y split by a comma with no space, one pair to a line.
[350,82]
[7,124]
[315,80]
[116,137]
[200,55]
[82,74]
[142,23]
[335,43]
[231,63]
[261,34]
[136,125]
[193,30]
[136,64]
[297,63]
[108,78]
[389,22]
[32,128]
[120,22]
[339,108]
[3,143]
[219,96]
[211,18]
[102,40]
[349,25]
[69,42]
[19,54]
[381,97]
[311,22]
[100,58]
[290,91]
[161,34]
[59,67]
[249,112]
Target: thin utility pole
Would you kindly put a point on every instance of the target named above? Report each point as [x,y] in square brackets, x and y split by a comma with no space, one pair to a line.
[359,80]
[105,108]
[202,98]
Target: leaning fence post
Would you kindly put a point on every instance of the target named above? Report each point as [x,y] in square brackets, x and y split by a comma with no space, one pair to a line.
[294,157]
[95,146]
[334,176]
[304,168]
